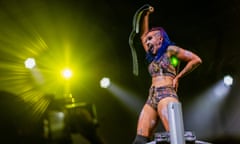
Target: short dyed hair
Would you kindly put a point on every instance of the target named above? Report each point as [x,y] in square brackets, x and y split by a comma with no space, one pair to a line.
[165,44]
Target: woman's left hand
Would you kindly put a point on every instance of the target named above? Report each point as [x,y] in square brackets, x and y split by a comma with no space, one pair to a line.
[175,83]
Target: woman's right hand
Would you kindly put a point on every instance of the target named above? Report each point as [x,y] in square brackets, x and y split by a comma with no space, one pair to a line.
[151,9]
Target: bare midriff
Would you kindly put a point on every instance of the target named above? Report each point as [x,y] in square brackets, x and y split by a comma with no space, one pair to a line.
[161,81]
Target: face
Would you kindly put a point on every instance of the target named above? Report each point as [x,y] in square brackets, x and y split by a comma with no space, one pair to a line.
[153,41]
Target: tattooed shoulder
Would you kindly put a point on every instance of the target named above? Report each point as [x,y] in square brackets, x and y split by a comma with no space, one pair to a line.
[174,50]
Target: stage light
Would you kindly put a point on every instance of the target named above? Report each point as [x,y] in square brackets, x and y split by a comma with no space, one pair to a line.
[205,110]
[67,73]
[105,82]
[30,63]
[228,80]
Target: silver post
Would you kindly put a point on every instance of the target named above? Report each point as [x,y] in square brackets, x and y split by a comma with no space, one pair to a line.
[176,123]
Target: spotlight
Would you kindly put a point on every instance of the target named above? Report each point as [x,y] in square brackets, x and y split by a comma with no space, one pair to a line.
[67,73]
[105,82]
[228,80]
[30,63]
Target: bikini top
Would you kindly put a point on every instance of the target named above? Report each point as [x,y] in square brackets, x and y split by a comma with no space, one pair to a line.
[162,67]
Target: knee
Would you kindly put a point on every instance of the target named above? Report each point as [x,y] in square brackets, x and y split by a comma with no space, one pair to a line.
[141,139]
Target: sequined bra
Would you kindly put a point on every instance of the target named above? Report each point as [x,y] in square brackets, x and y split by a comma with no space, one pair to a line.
[162,67]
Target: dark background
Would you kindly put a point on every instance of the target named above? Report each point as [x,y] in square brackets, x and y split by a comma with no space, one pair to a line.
[97,33]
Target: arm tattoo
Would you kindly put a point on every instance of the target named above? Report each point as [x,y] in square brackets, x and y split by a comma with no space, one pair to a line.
[188,68]
[188,54]
[177,51]
[174,50]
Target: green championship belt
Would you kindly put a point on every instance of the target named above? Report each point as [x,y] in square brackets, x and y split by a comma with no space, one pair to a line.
[135,30]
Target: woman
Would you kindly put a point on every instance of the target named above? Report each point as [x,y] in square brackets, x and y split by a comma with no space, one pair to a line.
[159,51]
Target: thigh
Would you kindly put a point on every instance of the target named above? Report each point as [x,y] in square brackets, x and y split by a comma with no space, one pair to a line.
[163,110]
[163,104]
[147,122]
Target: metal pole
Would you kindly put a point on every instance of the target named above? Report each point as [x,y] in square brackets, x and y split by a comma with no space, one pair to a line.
[176,123]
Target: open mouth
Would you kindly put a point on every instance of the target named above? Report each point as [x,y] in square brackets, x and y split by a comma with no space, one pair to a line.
[150,48]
